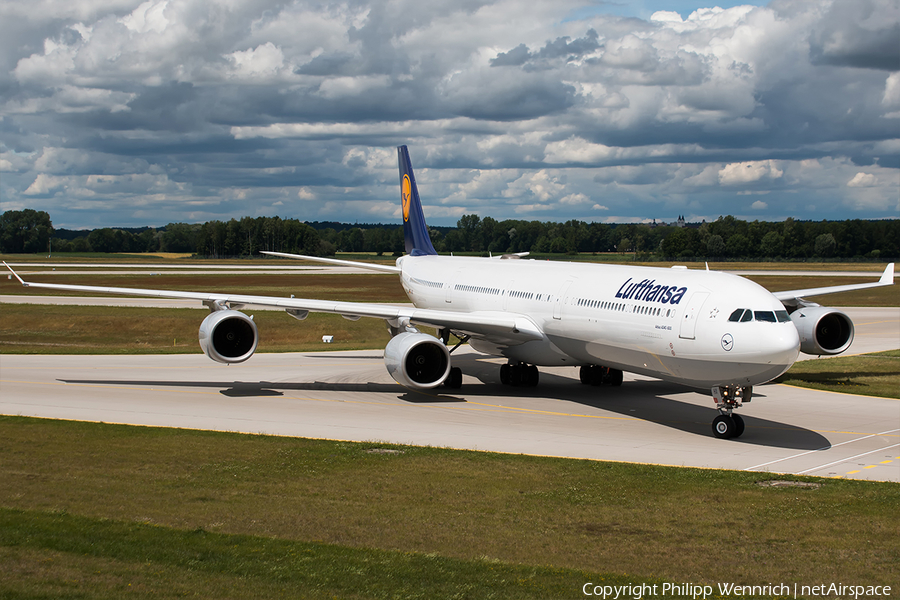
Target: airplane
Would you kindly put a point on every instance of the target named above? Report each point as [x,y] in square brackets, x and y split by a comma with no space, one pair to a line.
[699,328]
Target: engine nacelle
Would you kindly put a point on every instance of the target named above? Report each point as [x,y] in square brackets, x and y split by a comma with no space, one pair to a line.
[228,336]
[823,330]
[417,360]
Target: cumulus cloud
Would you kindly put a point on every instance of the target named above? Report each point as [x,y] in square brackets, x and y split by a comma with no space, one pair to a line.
[863,180]
[174,109]
[748,172]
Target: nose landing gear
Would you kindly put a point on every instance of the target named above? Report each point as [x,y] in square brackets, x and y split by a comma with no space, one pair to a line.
[728,425]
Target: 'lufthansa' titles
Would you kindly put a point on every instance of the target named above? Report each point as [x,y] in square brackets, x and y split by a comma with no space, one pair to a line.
[648,291]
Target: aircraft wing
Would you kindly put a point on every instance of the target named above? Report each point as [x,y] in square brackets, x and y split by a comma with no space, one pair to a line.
[499,326]
[336,261]
[791,297]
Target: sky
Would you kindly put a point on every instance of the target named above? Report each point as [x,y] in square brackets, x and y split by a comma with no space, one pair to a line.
[129,113]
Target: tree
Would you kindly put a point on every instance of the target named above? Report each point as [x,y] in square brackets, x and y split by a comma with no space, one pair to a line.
[739,245]
[470,228]
[825,245]
[715,246]
[25,231]
[771,244]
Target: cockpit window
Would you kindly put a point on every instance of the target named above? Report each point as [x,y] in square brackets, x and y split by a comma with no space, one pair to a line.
[744,315]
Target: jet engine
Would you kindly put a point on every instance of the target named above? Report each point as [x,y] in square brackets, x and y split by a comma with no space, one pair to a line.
[228,336]
[417,360]
[823,330]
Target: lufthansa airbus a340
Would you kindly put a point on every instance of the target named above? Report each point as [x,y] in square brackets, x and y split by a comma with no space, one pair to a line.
[700,328]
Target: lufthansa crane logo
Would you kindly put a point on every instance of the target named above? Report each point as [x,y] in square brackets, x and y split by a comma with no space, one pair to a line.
[727,342]
[405,196]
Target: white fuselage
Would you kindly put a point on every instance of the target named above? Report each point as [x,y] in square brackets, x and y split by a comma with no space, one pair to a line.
[667,323]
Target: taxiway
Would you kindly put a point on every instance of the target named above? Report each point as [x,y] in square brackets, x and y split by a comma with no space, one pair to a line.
[349,396]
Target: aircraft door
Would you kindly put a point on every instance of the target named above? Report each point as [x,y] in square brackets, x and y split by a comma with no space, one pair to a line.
[691,314]
[563,293]
[448,297]
[509,287]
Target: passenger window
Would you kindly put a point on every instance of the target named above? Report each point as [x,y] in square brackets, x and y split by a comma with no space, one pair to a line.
[782,316]
[736,315]
[765,315]
[748,315]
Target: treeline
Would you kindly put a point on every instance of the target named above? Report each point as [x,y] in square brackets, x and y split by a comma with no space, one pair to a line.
[31,231]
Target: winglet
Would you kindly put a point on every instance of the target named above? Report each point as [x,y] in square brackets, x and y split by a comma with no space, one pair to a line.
[415,231]
[888,276]
[22,281]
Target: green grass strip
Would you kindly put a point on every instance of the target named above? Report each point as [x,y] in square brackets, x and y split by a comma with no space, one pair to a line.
[269,567]
[85,501]
[876,374]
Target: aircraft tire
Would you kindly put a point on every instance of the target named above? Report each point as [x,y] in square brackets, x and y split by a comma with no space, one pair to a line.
[531,376]
[505,374]
[724,427]
[738,425]
[615,377]
[454,379]
[584,374]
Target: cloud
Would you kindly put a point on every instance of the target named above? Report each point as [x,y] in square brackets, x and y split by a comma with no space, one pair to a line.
[841,39]
[863,180]
[265,59]
[166,110]
[749,172]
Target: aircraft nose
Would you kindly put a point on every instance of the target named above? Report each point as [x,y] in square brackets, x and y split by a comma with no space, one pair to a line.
[783,346]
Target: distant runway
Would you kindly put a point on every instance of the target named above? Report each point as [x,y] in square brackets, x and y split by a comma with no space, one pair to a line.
[349,396]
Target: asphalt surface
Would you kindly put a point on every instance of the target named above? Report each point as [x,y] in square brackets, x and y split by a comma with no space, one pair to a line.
[350,396]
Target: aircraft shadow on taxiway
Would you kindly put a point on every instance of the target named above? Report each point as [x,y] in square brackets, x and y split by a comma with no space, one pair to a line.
[647,400]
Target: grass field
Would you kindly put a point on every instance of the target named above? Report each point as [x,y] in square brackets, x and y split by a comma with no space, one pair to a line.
[36,329]
[92,508]
[876,374]
[102,511]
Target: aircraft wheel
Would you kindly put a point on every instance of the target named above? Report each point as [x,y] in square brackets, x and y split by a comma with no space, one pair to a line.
[615,377]
[531,376]
[738,425]
[516,378]
[584,374]
[505,375]
[723,427]
[454,379]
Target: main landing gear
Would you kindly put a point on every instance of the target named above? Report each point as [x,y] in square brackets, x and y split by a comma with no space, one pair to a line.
[454,378]
[519,375]
[729,425]
[599,375]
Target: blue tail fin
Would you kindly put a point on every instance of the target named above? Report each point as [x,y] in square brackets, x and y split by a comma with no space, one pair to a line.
[418,242]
